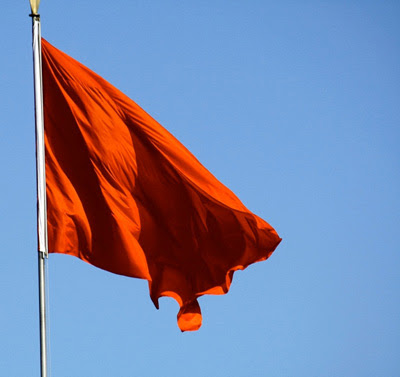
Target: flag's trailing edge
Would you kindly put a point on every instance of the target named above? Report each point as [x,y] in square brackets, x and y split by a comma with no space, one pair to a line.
[126,196]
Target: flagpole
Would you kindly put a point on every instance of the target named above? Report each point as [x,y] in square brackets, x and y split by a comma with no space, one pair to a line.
[40,181]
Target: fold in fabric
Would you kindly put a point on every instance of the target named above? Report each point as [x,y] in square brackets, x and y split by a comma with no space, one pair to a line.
[125,195]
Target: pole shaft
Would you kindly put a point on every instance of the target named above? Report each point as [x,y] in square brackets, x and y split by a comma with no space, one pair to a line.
[41,188]
[42,311]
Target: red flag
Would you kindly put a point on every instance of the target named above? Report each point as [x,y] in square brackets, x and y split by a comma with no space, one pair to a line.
[126,196]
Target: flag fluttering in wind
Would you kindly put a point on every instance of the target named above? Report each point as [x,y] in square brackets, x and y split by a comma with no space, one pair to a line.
[126,196]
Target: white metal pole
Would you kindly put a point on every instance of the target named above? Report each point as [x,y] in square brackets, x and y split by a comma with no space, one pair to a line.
[41,186]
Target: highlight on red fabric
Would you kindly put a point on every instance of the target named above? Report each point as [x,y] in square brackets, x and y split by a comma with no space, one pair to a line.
[125,195]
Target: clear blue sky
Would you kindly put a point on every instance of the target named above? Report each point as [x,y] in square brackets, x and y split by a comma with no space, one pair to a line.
[294,105]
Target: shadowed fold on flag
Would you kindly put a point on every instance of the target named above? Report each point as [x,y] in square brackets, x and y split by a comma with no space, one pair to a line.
[125,195]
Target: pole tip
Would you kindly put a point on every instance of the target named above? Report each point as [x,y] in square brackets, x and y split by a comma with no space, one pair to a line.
[34,6]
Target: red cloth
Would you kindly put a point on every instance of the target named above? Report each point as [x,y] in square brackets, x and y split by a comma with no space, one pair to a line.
[125,195]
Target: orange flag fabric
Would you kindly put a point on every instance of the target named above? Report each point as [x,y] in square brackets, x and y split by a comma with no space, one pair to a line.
[125,195]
